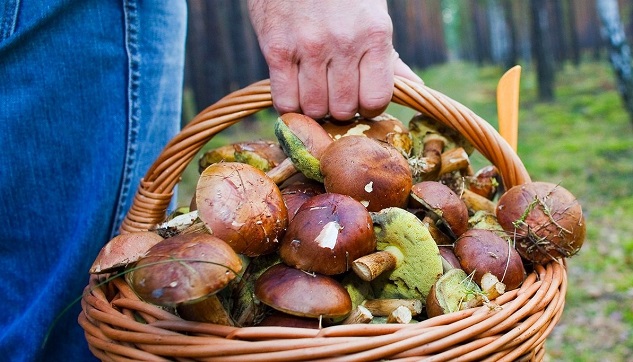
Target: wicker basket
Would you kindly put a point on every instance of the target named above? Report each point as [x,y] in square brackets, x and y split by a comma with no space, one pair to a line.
[119,326]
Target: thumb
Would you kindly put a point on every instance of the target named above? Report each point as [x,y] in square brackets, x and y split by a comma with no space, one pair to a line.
[403,70]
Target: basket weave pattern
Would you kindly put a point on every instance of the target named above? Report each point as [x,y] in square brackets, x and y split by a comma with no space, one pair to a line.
[119,326]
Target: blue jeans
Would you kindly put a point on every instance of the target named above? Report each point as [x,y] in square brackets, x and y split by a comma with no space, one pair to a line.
[90,92]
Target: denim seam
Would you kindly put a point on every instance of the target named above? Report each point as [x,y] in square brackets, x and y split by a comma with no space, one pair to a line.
[134,110]
[9,18]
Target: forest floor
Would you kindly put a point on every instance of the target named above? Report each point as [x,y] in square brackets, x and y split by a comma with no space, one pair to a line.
[582,140]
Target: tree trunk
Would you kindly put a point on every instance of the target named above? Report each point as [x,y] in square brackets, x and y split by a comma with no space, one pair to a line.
[619,51]
[483,50]
[512,56]
[557,31]
[541,50]
[499,32]
[573,51]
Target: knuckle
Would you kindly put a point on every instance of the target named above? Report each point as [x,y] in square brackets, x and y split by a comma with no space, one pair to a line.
[313,47]
[278,53]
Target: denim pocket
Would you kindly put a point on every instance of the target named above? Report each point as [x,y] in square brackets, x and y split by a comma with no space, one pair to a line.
[8,18]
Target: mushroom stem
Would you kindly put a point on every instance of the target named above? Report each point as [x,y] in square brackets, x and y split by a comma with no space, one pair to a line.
[455,159]
[177,225]
[433,146]
[428,167]
[282,171]
[209,310]
[360,315]
[401,315]
[485,182]
[370,266]
[491,288]
[476,202]
[384,307]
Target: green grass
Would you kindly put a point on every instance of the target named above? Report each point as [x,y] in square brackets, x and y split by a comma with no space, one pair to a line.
[582,141]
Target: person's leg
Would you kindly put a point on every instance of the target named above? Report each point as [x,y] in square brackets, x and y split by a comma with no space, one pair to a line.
[90,92]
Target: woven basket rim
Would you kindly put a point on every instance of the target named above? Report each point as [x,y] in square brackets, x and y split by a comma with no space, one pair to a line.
[513,330]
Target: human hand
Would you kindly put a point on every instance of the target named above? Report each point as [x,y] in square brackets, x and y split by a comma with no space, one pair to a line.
[328,56]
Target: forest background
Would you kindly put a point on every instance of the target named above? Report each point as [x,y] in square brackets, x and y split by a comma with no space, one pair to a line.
[574,125]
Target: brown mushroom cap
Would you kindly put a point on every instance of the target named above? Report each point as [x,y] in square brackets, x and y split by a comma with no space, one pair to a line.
[482,251]
[281,319]
[297,193]
[262,154]
[378,127]
[241,205]
[546,219]
[124,249]
[443,202]
[449,260]
[184,269]
[327,233]
[302,294]
[313,137]
[385,128]
[372,172]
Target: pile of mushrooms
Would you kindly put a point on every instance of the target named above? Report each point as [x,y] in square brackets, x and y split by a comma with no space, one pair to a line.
[365,221]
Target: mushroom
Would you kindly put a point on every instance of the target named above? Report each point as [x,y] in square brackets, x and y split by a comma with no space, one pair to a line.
[427,166]
[454,160]
[475,202]
[327,233]
[281,319]
[122,250]
[385,128]
[449,260]
[446,206]
[544,218]
[359,290]
[438,235]
[484,220]
[451,293]
[224,153]
[454,155]
[297,193]
[482,251]
[184,270]
[374,173]
[262,154]
[485,182]
[417,259]
[400,315]
[302,294]
[303,140]
[177,224]
[359,315]
[421,125]
[246,310]
[241,205]
[384,307]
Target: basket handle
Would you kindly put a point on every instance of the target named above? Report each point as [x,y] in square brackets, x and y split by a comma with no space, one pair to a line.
[156,189]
